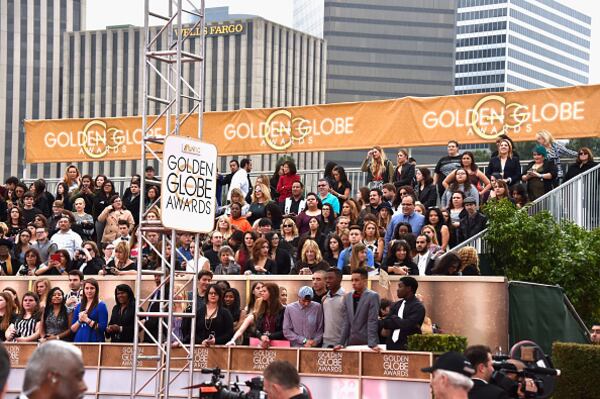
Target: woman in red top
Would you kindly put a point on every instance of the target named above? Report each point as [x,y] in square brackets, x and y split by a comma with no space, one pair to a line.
[284,186]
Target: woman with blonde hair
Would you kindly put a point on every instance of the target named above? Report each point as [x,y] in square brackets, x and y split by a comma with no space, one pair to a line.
[121,263]
[236,196]
[469,261]
[42,287]
[224,227]
[289,235]
[261,196]
[431,232]
[554,150]
[311,259]
[380,170]
[373,240]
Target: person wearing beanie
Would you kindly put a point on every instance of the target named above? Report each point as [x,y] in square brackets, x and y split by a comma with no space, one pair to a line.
[540,175]
[303,320]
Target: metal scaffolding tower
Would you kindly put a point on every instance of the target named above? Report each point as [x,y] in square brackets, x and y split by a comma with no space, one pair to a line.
[166,51]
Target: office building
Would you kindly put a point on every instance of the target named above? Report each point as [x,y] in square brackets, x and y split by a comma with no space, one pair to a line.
[30,63]
[259,64]
[378,49]
[506,45]
[308,16]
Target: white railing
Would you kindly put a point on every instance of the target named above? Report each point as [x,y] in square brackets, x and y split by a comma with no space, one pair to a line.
[309,177]
[577,200]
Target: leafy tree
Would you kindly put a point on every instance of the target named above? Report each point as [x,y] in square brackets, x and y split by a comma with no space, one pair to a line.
[540,250]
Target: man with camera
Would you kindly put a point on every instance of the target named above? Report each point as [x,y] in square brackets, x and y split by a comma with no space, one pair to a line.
[283,382]
[480,357]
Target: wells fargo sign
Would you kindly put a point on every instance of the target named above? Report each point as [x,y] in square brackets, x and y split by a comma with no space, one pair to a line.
[569,112]
[214,30]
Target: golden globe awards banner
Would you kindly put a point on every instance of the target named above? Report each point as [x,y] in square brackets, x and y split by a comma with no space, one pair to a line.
[189,181]
[569,112]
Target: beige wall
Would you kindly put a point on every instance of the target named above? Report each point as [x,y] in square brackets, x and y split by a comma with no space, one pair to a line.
[476,307]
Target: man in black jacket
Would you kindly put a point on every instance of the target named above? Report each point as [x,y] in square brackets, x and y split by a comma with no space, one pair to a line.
[473,222]
[406,315]
[480,357]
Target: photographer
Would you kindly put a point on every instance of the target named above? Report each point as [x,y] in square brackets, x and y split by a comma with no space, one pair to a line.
[121,263]
[58,264]
[480,357]
[89,260]
[283,382]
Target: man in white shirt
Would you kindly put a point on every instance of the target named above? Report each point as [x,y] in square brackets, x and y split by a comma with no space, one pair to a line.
[424,258]
[65,238]
[241,178]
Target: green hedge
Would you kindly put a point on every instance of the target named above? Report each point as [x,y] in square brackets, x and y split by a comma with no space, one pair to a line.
[437,343]
[580,373]
[538,249]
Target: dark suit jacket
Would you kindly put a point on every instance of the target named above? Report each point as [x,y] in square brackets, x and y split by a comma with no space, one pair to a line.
[407,177]
[512,169]
[481,390]
[469,226]
[409,324]
[361,327]
[430,262]
[428,196]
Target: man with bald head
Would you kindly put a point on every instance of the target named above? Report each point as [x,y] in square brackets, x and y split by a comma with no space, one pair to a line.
[54,371]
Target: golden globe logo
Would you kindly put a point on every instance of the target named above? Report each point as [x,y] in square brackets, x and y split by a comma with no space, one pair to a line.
[282,129]
[491,116]
[99,139]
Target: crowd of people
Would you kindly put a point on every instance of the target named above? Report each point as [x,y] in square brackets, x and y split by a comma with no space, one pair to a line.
[401,223]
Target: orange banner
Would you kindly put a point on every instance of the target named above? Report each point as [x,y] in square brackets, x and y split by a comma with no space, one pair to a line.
[570,112]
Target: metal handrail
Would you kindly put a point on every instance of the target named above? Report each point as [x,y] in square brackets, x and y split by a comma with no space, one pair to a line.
[356,177]
[576,183]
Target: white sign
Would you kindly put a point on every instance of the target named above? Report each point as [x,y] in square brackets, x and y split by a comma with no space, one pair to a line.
[189,183]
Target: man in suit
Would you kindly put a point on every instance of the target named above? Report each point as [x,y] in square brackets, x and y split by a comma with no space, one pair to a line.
[424,258]
[406,315]
[362,308]
[480,357]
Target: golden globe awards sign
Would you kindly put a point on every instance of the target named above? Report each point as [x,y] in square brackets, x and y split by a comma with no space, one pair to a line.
[189,180]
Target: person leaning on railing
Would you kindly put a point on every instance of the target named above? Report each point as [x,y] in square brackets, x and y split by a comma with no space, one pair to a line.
[585,161]
[540,174]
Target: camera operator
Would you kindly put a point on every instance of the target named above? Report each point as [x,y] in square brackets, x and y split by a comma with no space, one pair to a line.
[522,386]
[480,357]
[283,382]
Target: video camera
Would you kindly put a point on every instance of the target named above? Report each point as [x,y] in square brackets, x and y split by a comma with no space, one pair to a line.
[215,389]
[525,363]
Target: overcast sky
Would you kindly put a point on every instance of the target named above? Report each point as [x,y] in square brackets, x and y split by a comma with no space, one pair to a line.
[101,13]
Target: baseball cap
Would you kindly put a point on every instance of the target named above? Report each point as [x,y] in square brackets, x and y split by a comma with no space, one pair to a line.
[470,200]
[305,292]
[452,361]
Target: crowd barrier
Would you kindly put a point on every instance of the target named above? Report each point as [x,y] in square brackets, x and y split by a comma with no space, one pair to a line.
[475,307]
[348,374]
